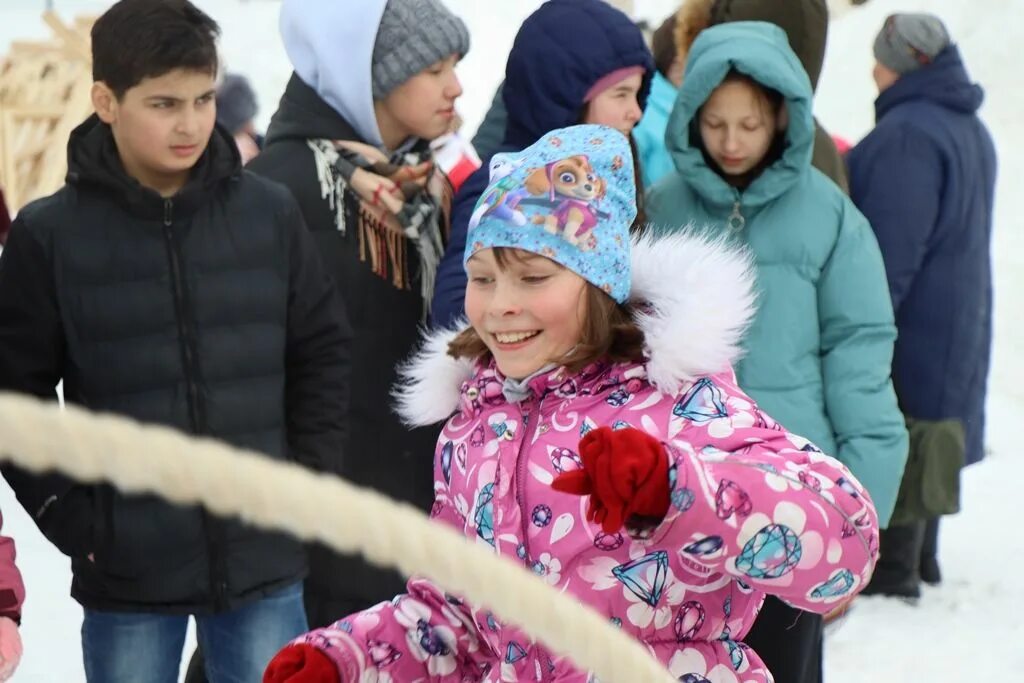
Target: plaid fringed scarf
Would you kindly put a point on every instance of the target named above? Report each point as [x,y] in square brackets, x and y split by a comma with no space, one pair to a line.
[410,201]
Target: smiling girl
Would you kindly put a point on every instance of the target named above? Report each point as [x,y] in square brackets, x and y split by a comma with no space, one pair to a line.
[595,434]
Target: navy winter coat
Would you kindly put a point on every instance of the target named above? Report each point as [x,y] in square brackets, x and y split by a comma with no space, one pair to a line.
[561,50]
[925,178]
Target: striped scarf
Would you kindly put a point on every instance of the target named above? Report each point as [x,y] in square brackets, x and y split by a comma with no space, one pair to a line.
[384,237]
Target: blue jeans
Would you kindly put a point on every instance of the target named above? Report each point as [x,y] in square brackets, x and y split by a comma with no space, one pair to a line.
[126,647]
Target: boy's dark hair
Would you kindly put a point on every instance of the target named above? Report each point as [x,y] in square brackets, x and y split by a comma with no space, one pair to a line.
[139,39]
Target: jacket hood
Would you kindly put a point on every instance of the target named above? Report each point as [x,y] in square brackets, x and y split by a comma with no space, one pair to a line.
[561,50]
[340,76]
[804,21]
[303,114]
[944,82]
[93,160]
[759,50]
[695,298]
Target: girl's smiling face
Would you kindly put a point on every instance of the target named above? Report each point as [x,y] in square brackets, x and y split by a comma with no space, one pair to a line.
[527,309]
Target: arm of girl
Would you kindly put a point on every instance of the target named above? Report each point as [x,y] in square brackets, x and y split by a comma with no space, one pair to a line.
[735,492]
[764,505]
[424,634]
[857,337]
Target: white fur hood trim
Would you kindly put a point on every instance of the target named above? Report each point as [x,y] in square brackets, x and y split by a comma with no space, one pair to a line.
[700,294]
[698,298]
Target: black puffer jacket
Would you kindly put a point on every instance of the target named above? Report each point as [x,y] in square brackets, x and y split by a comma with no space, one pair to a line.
[208,312]
[381,453]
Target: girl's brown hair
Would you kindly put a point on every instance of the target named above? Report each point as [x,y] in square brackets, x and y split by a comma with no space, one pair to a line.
[609,330]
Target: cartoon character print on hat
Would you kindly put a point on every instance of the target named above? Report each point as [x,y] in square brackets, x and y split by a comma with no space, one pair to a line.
[566,192]
[575,190]
[570,197]
[501,200]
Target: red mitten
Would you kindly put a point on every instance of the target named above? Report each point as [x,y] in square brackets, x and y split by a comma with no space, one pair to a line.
[301,663]
[625,473]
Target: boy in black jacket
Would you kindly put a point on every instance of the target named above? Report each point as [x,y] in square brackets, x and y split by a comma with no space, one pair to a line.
[165,283]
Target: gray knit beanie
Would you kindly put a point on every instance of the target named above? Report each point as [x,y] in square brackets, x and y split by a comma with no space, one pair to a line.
[413,34]
[909,41]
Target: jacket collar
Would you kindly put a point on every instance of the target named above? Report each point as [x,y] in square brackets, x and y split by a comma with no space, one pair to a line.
[944,82]
[93,161]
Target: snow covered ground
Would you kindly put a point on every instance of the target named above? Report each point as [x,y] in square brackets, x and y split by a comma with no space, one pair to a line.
[968,629]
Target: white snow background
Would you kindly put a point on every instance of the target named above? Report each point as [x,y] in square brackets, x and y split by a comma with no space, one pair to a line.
[970,628]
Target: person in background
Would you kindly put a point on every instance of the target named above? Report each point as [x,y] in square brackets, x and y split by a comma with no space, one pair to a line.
[597,72]
[490,134]
[374,84]
[792,647]
[236,109]
[806,25]
[650,132]
[925,178]
[819,352]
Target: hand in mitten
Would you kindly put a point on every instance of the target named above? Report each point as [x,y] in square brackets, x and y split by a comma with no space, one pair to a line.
[301,663]
[10,648]
[625,473]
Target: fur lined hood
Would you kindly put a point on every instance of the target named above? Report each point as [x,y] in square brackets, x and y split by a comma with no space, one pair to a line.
[695,297]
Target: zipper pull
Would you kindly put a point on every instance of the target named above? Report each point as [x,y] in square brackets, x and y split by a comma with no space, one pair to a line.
[168,212]
[736,220]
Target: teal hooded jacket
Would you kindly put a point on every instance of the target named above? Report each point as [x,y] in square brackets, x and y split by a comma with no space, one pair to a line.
[819,354]
[655,161]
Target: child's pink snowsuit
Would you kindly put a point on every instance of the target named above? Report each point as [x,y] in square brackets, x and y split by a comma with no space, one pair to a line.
[754,510]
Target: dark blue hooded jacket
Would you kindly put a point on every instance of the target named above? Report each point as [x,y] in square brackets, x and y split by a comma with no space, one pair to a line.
[925,178]
[561,50]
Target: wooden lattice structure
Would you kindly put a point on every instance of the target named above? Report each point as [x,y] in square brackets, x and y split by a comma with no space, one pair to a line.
[44,94]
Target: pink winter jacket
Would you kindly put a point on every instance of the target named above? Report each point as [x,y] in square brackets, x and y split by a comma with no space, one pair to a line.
[755,509]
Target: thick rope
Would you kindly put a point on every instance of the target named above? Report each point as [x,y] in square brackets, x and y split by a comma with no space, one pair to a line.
[137,458]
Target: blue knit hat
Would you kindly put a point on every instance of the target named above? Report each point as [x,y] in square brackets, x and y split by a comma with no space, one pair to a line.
[571,197]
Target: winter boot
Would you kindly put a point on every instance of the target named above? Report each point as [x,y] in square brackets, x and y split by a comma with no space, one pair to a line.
[898,571]
[930,572]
